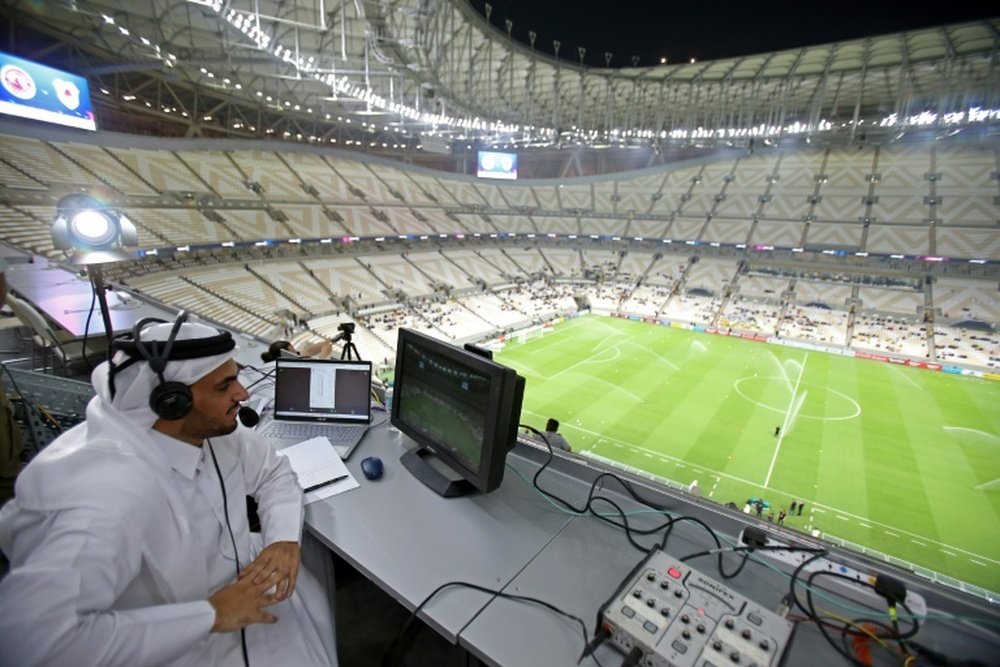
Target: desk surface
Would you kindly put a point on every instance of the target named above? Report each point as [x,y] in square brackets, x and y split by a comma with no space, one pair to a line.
[410,541]
[67,299]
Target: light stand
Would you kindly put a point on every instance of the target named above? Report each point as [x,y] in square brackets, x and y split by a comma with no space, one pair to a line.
[93,234]
[97,282]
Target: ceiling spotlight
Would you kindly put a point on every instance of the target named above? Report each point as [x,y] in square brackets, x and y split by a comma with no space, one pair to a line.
[92,233]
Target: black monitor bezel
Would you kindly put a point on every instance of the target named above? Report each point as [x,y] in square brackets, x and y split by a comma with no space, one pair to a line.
[500,432]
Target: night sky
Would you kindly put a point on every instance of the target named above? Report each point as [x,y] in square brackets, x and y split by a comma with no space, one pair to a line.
[710,29]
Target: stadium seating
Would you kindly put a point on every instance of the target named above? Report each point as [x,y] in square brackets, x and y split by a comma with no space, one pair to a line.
[913,199]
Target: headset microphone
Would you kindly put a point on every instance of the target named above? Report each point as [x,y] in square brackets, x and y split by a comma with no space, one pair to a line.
[248,416]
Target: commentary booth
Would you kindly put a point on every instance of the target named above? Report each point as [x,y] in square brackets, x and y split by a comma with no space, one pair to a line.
[523,556]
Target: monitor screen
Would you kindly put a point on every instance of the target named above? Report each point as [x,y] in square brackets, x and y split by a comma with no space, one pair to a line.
[39,92]
[459,406]
[497,165]
[322,390]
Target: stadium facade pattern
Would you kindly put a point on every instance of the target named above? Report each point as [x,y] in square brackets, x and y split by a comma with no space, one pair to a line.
[865,196]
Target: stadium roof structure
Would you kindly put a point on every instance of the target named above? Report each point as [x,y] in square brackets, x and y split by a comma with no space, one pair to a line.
[384,75]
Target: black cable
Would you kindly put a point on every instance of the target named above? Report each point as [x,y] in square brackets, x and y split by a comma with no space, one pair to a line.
[746,550]
[592,497]
[34,408]
[264,375]
[394,655]
[667,526]
[236,553]
[633,657]
[892,635]
[599,626]
[86,327]
[810,612]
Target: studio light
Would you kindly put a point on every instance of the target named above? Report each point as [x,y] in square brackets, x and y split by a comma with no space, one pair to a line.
[92,233]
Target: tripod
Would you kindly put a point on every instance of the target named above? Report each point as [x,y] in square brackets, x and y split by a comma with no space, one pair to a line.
[350,352]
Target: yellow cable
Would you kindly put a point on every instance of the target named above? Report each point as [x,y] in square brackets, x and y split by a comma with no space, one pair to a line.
[860,628]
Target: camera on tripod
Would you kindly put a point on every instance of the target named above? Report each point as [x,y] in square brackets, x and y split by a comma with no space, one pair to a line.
[344,329]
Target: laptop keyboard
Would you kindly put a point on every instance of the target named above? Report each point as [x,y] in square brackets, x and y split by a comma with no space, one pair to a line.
[335,433]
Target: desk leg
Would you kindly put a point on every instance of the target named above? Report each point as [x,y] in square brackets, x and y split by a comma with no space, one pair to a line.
[319,561]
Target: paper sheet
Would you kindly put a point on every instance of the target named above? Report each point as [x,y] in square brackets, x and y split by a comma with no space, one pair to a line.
[316,462]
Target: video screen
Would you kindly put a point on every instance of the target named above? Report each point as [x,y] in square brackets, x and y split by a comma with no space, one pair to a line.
[446,402]
[497,165]
[38,92]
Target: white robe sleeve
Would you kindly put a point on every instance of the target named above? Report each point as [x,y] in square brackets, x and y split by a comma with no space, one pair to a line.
[57,603]
[273,484]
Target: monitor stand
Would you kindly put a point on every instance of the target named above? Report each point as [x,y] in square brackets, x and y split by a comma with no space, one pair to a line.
[420,462]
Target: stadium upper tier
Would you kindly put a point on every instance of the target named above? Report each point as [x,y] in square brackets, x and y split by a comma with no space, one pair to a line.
[936,198]
[413,72]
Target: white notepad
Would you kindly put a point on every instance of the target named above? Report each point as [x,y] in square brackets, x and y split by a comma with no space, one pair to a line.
[319,468]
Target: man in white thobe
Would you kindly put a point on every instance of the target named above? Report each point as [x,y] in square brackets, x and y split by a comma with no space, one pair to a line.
[121,534]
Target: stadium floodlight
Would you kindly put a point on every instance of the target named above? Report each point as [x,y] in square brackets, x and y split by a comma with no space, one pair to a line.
[91,233]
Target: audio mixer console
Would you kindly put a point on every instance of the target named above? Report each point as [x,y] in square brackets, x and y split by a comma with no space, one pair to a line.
[679,617]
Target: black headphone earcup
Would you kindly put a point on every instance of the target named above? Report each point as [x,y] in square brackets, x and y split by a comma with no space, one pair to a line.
[171,400]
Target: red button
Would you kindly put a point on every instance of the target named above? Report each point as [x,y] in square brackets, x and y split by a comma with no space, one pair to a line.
[674,572]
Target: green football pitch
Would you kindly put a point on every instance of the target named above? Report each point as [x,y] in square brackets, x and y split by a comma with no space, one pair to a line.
[897,459]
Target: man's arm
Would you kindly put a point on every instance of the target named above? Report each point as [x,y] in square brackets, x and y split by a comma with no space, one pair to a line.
[271,481]
[68,569]
[273,484]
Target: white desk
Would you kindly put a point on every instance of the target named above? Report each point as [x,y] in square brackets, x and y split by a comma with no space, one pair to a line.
[409,541]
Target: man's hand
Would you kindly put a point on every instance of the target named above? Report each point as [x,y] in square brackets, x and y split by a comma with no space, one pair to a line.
[277,563]
[242,603]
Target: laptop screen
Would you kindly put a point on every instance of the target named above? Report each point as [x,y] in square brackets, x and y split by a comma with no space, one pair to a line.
[323,390]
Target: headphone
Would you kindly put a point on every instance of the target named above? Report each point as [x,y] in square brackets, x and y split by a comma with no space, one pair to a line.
[169,400]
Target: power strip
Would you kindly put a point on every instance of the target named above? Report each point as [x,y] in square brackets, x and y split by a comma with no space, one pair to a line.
[679,617]
[861,594]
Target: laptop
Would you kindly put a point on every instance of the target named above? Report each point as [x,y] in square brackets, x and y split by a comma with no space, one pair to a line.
[321,397]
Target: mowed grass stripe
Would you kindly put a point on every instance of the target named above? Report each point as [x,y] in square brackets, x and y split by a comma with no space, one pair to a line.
[677,398]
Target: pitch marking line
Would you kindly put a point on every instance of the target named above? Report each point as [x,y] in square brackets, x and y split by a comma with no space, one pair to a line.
[573,367]
[621,444]
[659,356]
[971,430]
[784,425]
[617,388]
[900,374]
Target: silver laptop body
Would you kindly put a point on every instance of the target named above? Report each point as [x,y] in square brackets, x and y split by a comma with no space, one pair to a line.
[321,397]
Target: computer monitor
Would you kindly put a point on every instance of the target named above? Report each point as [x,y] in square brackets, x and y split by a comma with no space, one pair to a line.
[460,407]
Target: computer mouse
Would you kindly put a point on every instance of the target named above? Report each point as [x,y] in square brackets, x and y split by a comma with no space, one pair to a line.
[372,467]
